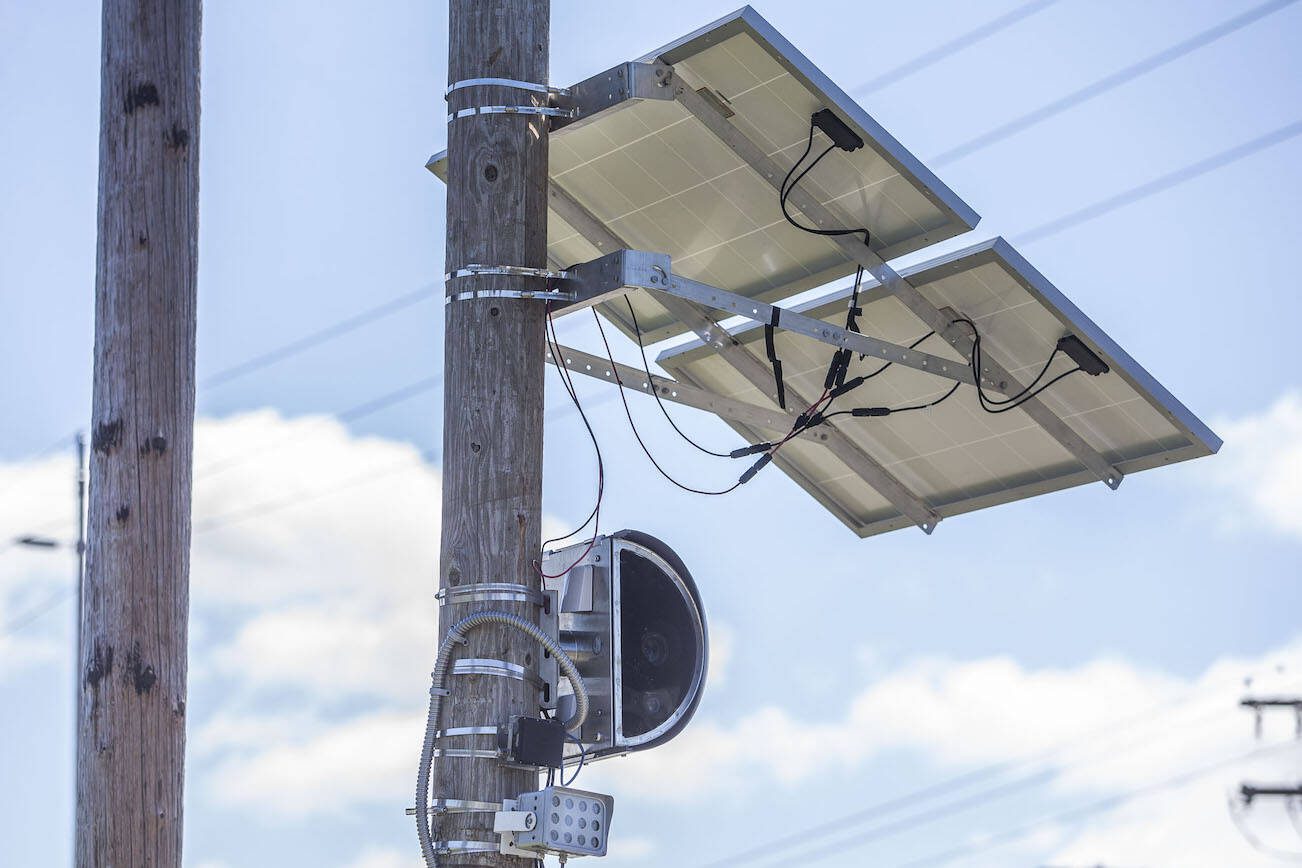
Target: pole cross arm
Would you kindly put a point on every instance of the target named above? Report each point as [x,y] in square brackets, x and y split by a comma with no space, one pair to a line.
[615,272]
[1279,791]
[826,217]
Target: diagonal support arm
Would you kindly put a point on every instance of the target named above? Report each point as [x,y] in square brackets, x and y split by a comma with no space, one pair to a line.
[746,364]
[755,157]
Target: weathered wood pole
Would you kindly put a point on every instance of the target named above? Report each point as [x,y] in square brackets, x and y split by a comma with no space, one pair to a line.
[493,386]
[131,710]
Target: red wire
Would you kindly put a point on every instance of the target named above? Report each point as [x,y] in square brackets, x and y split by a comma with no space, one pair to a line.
[796,431]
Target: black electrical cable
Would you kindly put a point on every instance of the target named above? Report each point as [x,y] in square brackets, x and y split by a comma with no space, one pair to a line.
[553,344]
[650,381]
[568,385]
[583,755]
[882,411]
[633,425]
[788,185]
[1012,402]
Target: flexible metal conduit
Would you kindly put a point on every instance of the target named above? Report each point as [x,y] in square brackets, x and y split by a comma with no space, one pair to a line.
[457,636]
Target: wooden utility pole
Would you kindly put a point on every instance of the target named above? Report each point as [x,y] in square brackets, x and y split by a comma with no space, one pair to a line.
[493,386]
[131,710]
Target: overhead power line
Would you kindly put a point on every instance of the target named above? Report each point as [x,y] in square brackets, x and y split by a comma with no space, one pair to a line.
[1008,836]
[1160,185]
[1042,765]
[329,333]
[1108,83]
[947,49]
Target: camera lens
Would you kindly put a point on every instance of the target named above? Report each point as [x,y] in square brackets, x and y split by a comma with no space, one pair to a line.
[655,648]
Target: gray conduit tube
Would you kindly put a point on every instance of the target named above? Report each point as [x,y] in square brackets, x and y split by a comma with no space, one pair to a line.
[457,636]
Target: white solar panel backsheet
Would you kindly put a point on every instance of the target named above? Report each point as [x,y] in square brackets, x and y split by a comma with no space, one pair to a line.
[955,456]
[658,179]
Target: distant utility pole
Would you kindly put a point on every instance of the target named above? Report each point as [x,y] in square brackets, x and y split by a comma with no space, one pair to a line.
[135,601]
[493,393]
[81,540]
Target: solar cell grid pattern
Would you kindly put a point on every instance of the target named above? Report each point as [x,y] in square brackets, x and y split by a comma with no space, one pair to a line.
[659,179]
[955,456]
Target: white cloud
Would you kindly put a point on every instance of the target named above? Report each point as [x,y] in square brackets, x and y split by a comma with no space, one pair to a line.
[1260,467]
[325,769]
[330,602]
[1106,725]
[623,849]
[373,857]
[37,498]
[723,641]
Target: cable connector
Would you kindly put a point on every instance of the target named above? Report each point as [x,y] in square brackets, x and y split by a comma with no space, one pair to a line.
[755,468]
[847,386]
[750,450]
[836,371]
[871,411]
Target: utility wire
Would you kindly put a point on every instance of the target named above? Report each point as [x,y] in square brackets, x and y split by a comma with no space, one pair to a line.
[1108,83]
[35,612]
[1161,184]
[947,49]
[1043,764]
[1007,836]
[366,408]
[982,797]
[1237,812]
[329,333]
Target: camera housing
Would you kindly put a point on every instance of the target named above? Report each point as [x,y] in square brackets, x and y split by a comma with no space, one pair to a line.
[630,616]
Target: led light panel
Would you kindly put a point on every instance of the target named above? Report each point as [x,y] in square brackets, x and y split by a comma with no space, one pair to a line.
[955,456]
[659,180]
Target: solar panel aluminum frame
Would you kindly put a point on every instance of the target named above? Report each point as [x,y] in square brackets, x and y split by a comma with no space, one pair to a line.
[747,20]
[1200,440]
[630,83]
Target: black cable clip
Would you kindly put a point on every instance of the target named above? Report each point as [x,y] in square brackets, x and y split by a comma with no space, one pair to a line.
[773,355]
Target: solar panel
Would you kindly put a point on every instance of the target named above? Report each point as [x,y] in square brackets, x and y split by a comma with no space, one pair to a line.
[955,457]
[656,178]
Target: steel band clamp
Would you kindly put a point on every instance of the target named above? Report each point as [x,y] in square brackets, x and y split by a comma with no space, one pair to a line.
[476,270]
[466,753]
[506,82]
[488,592]
[459,806]
[462,731]
[499,668]
[445,847]
[543,110]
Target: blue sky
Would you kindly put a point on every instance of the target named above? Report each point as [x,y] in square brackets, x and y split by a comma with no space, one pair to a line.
[847,671]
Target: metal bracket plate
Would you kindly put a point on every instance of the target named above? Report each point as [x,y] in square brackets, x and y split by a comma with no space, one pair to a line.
[613,88]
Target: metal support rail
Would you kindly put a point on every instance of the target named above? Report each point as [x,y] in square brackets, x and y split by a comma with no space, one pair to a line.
[635,379]
[824,217]
[731,350]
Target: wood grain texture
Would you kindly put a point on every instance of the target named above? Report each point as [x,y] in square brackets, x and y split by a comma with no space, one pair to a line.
[132,667]
[493,392]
